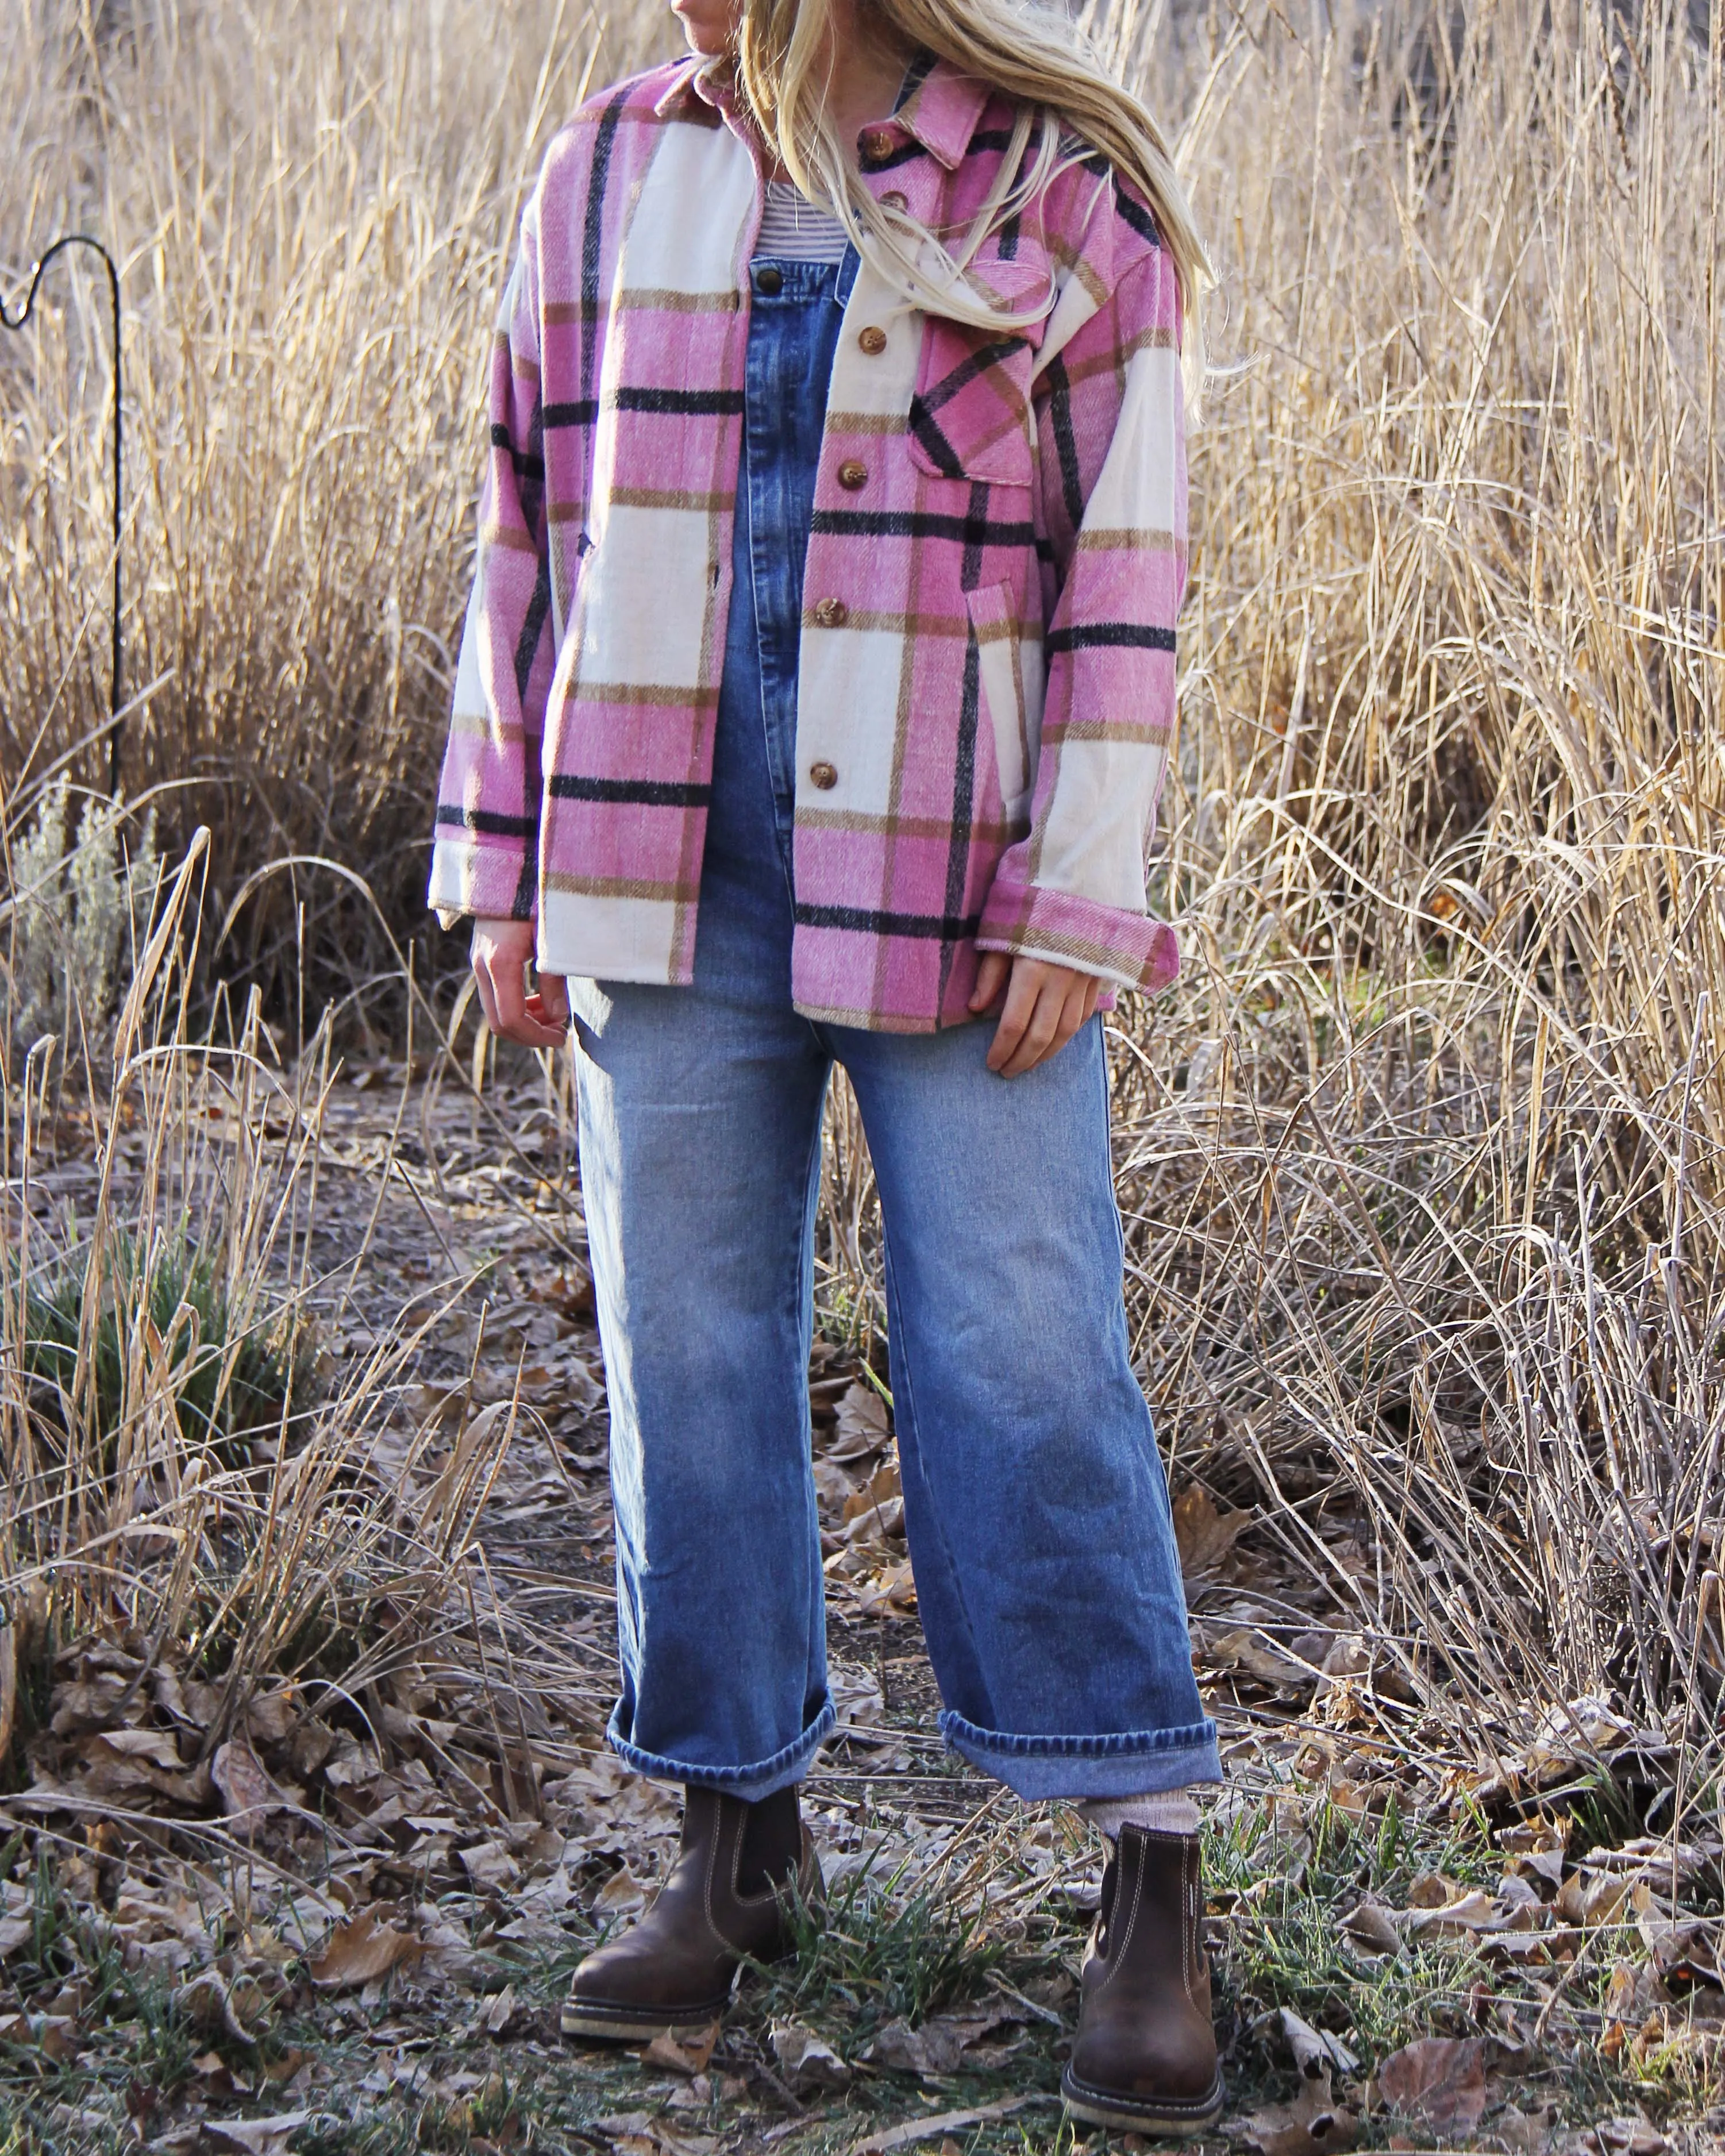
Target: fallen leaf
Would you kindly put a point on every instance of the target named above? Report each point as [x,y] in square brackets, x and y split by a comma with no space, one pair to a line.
[876,1499]
[359,1951]
[269,1718]
[862,1430]
[258,2136]
[939,2045]
[1431,1890]
[489,1865]
[1204,1536]
[889,1593]
[806,2063]
[686,2057]
[1525,2132]
[248,1795]
[1316,2052]
[1313,2123]
[1585,1898]
[1368,1925]
[208,2002]
[1241,1647]
[1625,2137]
[1467,1915]
[59,2037]
[1439,2080]
[500,2011]
[621,1893]
[15,1931]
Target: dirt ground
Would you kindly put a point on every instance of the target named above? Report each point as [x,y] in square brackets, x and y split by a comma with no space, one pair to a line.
[345,1930]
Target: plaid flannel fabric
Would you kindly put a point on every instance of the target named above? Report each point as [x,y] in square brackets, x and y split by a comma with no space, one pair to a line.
[996,559]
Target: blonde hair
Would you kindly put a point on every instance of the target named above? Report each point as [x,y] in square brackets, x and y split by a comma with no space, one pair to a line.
[1070,107]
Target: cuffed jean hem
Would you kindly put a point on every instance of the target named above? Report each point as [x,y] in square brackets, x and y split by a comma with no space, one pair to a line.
[1131,1763]
[762,1778]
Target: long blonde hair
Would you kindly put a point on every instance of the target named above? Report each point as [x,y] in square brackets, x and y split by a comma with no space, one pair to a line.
[1069,106]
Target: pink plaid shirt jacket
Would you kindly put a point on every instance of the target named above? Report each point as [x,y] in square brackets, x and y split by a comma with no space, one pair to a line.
[997,555]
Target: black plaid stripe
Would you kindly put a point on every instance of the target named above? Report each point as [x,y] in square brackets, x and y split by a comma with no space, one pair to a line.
[486,823]
[1132,635]
[875,921]
[643,793]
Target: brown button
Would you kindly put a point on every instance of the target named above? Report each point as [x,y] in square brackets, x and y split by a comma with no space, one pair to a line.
[872,341]
[769,281]
[832,613]
[823,776]
[878,143]
[892,199]
[852,475]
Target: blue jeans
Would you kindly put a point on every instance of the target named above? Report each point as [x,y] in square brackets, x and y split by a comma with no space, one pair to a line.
[1035,1503]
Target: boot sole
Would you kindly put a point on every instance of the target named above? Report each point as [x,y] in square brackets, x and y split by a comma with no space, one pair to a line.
[1172,2116]
[635,2024]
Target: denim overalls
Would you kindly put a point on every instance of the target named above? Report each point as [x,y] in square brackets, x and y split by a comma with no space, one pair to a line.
[1036,1506]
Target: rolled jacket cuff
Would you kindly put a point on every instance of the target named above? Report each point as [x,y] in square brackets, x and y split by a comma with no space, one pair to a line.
[483,879]
[1028,920]
[760,1778]
[1128,1763]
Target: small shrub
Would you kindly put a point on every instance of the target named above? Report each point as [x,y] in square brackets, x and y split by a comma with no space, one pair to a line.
[226,1390]
[80,916]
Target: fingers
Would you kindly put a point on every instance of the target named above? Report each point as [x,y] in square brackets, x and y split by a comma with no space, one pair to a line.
[501,952]
[991,974]
[552,1000]
[1046,1005]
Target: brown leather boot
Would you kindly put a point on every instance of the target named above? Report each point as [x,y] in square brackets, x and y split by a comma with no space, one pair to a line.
[1144,2058]
[727,1899]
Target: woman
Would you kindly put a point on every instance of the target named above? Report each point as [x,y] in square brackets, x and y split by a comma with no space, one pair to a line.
[813,704]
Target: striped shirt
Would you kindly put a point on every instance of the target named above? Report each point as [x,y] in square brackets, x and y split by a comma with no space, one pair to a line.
[996,557]
[794,229]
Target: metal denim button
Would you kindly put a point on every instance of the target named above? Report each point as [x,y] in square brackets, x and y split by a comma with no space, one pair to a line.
[832,613]
[823,776]
[769,281]
[872,341]
[877,143]
[853,474]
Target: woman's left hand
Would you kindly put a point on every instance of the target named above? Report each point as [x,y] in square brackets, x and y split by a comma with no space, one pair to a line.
[1046,1005]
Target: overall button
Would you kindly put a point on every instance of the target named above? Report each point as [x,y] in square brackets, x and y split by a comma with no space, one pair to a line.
[878,143]
[852,475]
[872,341]
[892,199]
[823,776]
[832,613]
[769,281]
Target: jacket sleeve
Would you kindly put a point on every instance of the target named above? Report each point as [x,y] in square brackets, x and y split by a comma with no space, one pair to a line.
[1110,426]
[484,860]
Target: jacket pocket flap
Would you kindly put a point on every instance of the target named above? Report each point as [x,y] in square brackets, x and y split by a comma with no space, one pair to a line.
[970,417]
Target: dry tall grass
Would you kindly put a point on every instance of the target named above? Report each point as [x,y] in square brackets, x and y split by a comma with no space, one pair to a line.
[1421,1161]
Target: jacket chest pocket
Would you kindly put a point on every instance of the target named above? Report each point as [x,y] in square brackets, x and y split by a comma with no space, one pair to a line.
[970,412]
[971,417]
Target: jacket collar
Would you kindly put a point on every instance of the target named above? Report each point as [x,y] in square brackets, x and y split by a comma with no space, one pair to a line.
[938,107]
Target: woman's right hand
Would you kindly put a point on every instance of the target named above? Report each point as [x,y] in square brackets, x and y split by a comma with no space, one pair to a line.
[502,952]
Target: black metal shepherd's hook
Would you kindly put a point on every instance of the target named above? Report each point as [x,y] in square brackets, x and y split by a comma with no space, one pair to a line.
[17,322]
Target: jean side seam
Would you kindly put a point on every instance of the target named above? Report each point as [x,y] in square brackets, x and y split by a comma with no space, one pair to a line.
[895,1317]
